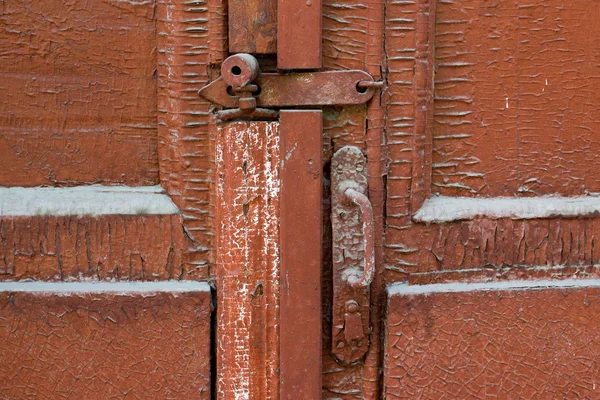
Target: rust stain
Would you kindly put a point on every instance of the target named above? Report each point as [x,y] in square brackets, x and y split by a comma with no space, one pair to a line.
[252,26]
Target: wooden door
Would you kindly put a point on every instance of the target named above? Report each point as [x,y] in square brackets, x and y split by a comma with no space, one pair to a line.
[103,291]
[491,224]
[124,195]
[479,152]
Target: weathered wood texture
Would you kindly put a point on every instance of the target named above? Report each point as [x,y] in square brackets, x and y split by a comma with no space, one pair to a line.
[491,246]
[121,247]
[190,37]
[517,88]
[546,132]
[79,96]
[534,344]
[406,129]
[99,346]
[248,190]
[353,37]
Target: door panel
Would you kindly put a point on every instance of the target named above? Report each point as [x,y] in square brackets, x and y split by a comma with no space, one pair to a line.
[105,93]
[126,342]
[477,147]
[514,90]
[79,96]
[534,340]
[482,103]
[479,99]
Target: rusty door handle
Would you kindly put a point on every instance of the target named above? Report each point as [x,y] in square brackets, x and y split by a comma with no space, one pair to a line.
[353,251]
[366,211]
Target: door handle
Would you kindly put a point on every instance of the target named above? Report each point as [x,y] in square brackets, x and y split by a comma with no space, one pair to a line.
[366,211]
[353,252]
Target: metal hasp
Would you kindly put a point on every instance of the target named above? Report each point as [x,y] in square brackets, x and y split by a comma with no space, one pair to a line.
[353,254]
[241,79]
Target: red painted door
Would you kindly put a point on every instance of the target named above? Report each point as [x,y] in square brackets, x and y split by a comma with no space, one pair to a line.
[103,291]
[458,169]
[477,153]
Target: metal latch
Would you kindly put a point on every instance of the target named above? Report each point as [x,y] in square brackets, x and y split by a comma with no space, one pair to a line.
[353,254]
[245,92]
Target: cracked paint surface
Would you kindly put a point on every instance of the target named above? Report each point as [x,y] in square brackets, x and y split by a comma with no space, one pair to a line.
[119,247]
[516,93]
[189,36]
[79,96]
[479,147]
[528,344]
[247,185]
[105,346]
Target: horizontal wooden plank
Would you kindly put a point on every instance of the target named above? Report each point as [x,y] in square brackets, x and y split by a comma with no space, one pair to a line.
[65,130]
[119,247]
[111,37]
[518,340]
[105,345]
[488,244]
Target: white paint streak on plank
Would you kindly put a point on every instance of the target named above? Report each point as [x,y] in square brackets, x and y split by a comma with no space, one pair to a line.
[440,209]
[66,288]
[93,200]
[403,289]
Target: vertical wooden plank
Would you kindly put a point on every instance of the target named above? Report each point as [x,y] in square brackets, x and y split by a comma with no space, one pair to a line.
[376,64]
[299,34]
[301,231]
[423,100]
[185,148]
[252,26]
[247,207]
[217,27]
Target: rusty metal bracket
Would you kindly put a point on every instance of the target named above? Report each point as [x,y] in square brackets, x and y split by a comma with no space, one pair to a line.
[353,254]
[239,72]
[298,89]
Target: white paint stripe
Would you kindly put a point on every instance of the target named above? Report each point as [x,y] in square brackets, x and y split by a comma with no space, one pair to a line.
[91,200]
[403,289]
[105,287]
[446,209]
